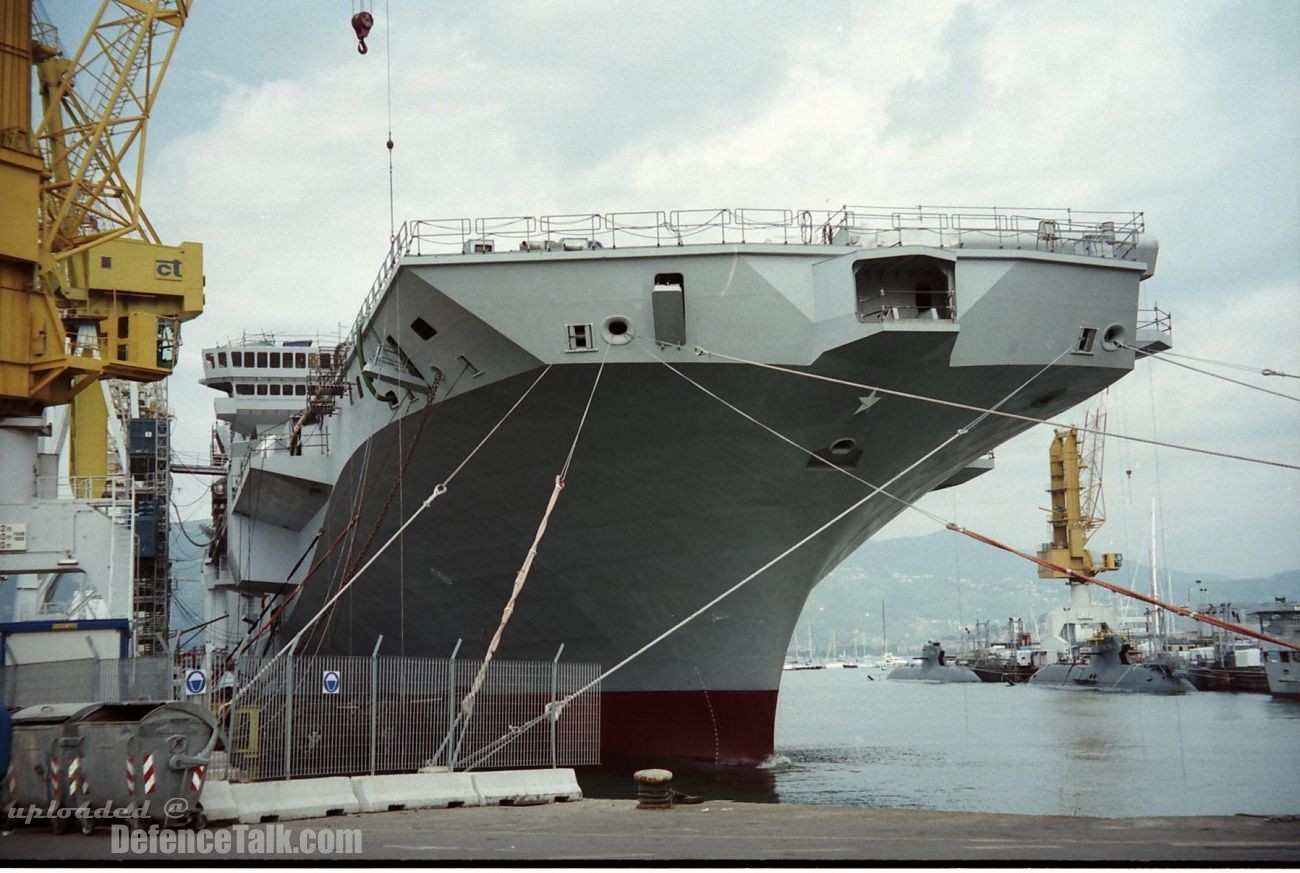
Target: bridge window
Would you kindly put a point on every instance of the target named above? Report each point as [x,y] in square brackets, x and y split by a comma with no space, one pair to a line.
[300,360]
[221,358]
[244,389]
[275,359]
[261,359]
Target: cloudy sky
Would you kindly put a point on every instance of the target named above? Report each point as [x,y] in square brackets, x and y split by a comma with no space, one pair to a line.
[268,147]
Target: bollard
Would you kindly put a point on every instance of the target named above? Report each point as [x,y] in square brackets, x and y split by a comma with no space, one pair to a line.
[654,789]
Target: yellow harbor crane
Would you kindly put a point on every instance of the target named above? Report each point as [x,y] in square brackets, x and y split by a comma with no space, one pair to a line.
[88,291]
[87,288]
[1077,506]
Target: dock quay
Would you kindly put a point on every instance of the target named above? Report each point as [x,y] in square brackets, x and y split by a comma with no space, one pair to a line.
[616,832]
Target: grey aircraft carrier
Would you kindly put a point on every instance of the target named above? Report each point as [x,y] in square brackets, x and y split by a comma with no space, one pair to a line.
[672,495]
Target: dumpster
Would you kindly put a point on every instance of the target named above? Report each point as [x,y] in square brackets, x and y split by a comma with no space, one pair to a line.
[37,780]
[141,761]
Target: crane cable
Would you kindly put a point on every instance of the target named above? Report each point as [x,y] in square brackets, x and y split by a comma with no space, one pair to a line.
[971,408]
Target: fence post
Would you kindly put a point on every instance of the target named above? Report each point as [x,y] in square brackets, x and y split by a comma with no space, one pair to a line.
[374,703]
[451,704]
[288,714]
[555,717]
[96,679]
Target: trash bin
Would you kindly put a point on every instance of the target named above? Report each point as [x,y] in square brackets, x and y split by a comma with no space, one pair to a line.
[141,761]
[37,779]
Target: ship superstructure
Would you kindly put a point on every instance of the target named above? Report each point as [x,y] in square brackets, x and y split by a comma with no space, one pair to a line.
[270,383]
[679,487]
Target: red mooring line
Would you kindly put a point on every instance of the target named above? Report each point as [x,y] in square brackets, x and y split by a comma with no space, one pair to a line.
[1110,586]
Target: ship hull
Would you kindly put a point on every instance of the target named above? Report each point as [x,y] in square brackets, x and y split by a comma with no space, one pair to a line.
[693,522]
[671,499]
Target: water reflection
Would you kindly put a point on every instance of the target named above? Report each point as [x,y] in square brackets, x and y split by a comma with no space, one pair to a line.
[998,748]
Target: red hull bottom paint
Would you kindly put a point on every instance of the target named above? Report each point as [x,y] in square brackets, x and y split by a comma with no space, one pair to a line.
[727,727]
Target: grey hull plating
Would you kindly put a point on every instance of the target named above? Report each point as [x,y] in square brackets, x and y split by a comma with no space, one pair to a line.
[672,497]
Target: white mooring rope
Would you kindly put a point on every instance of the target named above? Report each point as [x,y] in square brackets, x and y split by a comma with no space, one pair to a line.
[553,710]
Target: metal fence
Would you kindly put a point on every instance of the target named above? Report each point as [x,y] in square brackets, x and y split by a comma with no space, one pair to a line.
[353,715]
[88,680]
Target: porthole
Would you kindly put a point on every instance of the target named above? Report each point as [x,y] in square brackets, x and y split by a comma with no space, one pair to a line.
[617,330]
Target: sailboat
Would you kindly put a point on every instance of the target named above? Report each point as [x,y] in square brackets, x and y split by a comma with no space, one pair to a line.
[833,661]
[808,664]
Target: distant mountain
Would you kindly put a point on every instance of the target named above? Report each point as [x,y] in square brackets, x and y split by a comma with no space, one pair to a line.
[934,586]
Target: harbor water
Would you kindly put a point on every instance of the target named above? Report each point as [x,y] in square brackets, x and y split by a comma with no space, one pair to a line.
[853,737]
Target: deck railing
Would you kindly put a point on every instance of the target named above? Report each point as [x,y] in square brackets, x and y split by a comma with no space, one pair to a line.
[1071,231]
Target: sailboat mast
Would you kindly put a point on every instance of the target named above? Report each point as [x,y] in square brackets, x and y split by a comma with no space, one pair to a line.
[1155,585]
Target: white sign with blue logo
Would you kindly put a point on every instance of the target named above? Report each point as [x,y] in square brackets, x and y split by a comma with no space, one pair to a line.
[196,682]
[330,683]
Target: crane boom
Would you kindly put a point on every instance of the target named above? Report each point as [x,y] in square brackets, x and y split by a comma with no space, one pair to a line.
[87,290]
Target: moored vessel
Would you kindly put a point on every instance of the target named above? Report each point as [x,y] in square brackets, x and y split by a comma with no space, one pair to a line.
[485,361]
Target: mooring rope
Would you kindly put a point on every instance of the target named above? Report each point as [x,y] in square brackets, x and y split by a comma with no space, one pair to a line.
[1161,357]
[1184,611]
[553,710]
[521,577]
[438,491]
[971,408]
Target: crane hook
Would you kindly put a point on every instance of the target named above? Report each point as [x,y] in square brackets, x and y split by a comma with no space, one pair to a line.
[361,24]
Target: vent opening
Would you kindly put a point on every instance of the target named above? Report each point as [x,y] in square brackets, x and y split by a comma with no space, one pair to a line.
[1087,337]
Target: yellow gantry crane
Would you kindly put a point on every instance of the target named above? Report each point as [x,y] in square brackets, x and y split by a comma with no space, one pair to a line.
[87,289]
[1077,506]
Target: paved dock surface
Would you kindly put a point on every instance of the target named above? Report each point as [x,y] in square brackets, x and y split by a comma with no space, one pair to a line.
[615,831]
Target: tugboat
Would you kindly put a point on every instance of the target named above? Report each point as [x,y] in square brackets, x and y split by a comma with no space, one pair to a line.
[1013,662]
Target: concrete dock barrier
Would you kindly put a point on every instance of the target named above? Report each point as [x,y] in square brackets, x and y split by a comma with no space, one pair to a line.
[522,787]
[415,791]
[302,798]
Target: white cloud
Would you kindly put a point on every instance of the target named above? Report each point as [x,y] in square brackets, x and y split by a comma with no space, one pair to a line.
[1186,112]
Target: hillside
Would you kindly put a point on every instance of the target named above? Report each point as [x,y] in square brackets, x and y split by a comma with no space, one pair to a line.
[933,586]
